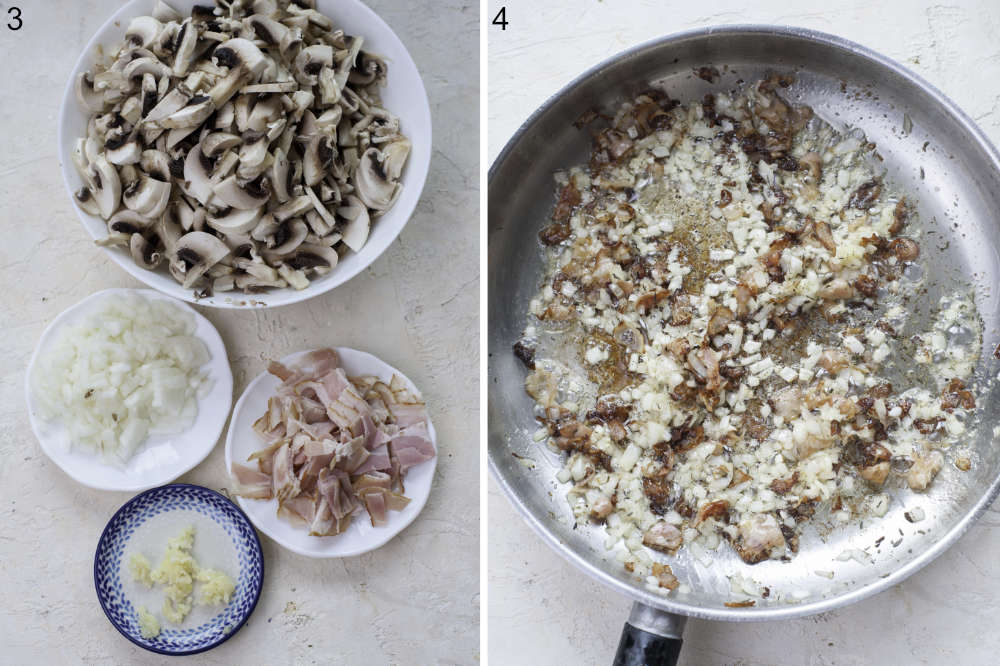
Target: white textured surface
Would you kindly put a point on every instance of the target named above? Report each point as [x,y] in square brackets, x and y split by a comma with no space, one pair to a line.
[540,609]
[416,600]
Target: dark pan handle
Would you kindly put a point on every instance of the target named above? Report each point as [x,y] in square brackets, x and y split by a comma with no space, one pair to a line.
[650,638]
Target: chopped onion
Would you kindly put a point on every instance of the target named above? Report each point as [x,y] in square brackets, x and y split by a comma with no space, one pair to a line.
[128,369]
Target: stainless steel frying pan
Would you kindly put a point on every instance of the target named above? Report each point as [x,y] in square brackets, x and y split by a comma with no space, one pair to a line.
[931,150]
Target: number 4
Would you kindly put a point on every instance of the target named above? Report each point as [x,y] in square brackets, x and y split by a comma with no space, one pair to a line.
[501,18]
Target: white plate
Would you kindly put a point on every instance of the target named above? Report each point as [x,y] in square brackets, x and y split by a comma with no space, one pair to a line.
[160,459]
[403,95]
[360,537]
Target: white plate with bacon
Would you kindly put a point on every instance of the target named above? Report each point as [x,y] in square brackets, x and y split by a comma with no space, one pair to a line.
[331,452]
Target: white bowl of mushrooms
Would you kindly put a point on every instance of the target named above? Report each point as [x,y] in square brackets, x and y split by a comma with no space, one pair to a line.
[250,153]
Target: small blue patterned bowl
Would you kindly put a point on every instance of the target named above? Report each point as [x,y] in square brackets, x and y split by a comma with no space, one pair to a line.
[224,539]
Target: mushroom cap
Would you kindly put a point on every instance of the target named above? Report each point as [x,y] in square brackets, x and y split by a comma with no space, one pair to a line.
[321,258]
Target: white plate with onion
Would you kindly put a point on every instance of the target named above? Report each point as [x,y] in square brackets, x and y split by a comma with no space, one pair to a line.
[403,95]
[158,458]
[360,537]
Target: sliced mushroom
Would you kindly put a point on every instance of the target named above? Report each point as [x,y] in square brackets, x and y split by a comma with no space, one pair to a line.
[320,258]
[311,61]
[372,183]
[123,150]
[172,102]
[280,176]
[197,173]
[89,98]
[240,53]
[147,196]
[186,41]
[292,208]
[216,143]
[143,31]
[129,222]
[144,251]
[234,221]
[197,251]
[106,186]
[194,113]
[85,200]
[164,12]
[318,156]
[288,237]
[251,195]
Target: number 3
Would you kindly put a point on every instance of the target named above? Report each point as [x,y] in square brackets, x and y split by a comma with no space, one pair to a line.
[16,17]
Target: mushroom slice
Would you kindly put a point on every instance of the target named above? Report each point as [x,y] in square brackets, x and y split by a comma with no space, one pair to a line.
[196,252]
[267,29]
[325,214]
[143,30]
[129,222]
[240,53]
[319,154]
[289,236]
[280,176]
[367,70]
[273,87]
[253,152]
[374,187]
[266,227]
[394,157]
[144,251]
[358,222]
[252,195]
[233,221]
[156,163]
[264,112]
[216,143]
[295,278]
[164,12]
[319,258]
[147,196]
[310,61]
[122,150]
[172,102]
[292,208]
[194,113]
[186,40]
[85,200]
[197,173]
[148,65]
[226,87]
[89,98]
[106,186]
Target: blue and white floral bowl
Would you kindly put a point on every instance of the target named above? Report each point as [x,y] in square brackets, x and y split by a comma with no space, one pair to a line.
[224,539]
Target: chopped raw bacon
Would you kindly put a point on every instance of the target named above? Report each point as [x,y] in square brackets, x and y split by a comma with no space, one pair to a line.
[335,444]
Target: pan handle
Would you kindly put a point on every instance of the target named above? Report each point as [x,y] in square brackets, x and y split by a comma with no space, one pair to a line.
[651,637]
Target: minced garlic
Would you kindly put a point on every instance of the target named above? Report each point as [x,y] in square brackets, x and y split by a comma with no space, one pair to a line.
[179,571]
[149,626]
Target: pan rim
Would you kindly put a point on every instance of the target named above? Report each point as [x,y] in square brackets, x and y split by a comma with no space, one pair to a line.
[635,591]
